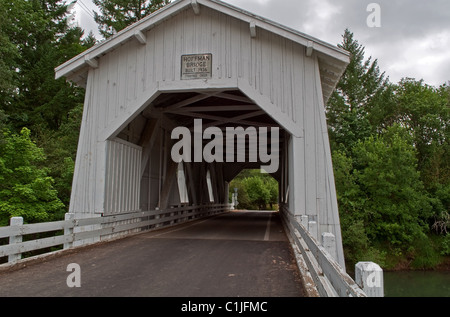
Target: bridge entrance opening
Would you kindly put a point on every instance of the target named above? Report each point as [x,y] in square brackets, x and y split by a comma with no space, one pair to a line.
[253,190]
[184,163]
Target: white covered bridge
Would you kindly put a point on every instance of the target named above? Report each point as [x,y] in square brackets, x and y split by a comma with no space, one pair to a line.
[209,63]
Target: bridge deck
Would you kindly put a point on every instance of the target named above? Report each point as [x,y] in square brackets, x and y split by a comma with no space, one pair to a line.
[233,254]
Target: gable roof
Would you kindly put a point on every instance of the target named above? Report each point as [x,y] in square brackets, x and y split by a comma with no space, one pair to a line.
[332,60]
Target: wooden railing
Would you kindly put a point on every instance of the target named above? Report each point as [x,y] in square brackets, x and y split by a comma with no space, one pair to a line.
[326,277]
[96,228]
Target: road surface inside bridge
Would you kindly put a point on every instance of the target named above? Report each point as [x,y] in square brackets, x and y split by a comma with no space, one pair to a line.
[244,254]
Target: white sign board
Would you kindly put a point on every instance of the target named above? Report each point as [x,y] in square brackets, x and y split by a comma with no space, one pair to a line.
[196,66]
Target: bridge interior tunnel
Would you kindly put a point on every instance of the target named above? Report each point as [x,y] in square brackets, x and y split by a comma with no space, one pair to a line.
[232,130]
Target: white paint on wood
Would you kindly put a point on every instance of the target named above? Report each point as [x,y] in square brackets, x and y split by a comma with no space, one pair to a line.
[369,276]
[309,48]
[195,7]
[91,61]
[140,37]
[252,29]
[123,176]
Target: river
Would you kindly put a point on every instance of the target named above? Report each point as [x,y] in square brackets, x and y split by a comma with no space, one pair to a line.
[417,284]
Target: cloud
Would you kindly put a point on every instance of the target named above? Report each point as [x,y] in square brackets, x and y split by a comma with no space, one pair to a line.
[413,40]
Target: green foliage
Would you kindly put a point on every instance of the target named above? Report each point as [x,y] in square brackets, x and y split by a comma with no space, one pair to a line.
[26,190]
[8,53]
[395,205]
[35,39]
[60,148]
[390,149]
[446,245]
[255,190]
[39,32]
[360,93]
[424,253]
[424,111]
[115,15]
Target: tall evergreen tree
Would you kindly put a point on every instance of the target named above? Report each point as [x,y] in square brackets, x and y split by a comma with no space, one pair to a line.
[118,14]
[8,54]
[362,99]
[38,30]
[35,38]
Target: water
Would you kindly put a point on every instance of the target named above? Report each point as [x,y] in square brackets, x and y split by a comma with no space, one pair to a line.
[417,284]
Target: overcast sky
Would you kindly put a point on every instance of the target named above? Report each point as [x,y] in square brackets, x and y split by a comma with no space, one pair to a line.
[412,41]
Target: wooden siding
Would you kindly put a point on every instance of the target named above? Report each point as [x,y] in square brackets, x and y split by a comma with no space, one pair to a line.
[123,177]
[272,70]
[270,64]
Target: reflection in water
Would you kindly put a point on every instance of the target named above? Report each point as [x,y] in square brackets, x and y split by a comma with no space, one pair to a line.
[417,284]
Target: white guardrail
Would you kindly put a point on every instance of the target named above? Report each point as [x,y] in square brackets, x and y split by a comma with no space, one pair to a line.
[95,228]
[322,275]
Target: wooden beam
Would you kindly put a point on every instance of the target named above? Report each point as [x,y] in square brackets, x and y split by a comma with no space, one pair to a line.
[309,48]
[216,108]
[233,97]
[192,188]
[239,118]
[148,132]
[252,29]
[92,62]
[224,119]
[147,141]
[195,7]
[171,174]
[140,37]
[189,101]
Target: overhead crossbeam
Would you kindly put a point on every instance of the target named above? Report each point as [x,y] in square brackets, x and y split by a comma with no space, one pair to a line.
[216,108]
[189,101]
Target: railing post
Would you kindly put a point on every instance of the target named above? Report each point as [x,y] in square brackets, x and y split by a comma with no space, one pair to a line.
[312,228]
[15,221]
[329,243]
[369,276]
[304,221]
[68,230]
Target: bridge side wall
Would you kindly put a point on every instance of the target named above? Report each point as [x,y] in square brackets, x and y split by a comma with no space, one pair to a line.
[311,186]
[270,69]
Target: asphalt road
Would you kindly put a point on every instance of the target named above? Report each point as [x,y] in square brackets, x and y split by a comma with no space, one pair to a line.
[238,254]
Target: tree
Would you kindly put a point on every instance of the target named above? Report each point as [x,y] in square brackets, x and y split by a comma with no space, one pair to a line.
[358,106]
[37,38]
[26,190]
[39,31]
[424,111]
[396,205]
[118,14]
[60,148]
[255,190]
[8,53]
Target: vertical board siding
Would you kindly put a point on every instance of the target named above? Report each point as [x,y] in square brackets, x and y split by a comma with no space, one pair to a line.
[268,62]
[273,66]
[123,177]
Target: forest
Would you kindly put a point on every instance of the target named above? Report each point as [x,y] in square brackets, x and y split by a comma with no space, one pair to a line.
[389,141]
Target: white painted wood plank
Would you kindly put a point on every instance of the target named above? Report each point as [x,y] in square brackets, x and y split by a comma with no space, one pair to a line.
[27,246]
[310,139]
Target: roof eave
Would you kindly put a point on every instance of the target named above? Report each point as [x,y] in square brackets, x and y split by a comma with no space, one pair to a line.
[76,64]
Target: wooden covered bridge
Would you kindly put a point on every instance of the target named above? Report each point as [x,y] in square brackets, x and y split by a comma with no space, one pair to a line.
[180,102]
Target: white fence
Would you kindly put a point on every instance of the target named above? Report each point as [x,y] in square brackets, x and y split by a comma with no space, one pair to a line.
[322,275]
[97,228]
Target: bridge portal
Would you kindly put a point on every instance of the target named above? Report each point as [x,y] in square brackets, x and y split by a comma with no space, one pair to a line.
[209,63]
